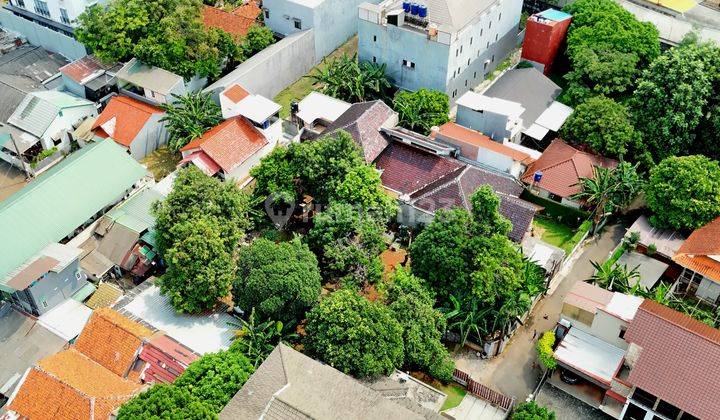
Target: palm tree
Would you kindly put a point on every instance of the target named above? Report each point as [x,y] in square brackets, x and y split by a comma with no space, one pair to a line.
[466,320]
[347,79]
[189,117]
[257,340]
[615,277]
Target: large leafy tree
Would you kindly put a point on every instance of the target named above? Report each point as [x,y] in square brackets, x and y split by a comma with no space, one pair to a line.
[166,401]
[532,411]
[354,335]
[603,124]
[257,39]
[190,117]
[198,227]
[672,97]
[421,110]
[165,33]
[362,188]
[684,192]
[281,281]
[216,377]
[600,72]
[423,326]
[350,242]
[349,80]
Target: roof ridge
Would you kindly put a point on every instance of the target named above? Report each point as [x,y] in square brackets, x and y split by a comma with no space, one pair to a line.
[102,314]
[715,342]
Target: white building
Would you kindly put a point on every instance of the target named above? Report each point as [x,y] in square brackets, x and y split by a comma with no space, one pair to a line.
[446,45]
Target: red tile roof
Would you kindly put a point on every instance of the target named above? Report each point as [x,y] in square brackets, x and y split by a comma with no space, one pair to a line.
[166,358]
[79,70]
[562,166]
[236,93]
[475,138]
[230,144]
[130,117]
[679,359]
[202,161]
[695,251]
[249,10]
[236,24]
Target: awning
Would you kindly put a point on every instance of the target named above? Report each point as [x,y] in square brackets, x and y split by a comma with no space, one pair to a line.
[589,355]
[554,116]
[536,131]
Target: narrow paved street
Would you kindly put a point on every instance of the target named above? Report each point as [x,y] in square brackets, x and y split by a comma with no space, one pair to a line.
[512,373]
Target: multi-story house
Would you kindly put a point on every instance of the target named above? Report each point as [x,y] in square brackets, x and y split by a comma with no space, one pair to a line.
[446,45]
[59,15]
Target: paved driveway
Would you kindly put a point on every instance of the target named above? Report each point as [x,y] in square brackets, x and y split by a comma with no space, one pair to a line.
[512,373]
[472,408]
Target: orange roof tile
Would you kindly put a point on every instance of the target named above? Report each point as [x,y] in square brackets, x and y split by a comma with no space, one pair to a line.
[130,116]
[230,143]
[42,397]
[562,166]
[250,10]
[236,93]
[236,24]
[695,252]
[81,69]
[112,340]
[466,135]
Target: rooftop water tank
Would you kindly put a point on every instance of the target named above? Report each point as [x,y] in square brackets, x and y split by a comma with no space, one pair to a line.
[537,176]
[422,11]
[406,6]
[414,9]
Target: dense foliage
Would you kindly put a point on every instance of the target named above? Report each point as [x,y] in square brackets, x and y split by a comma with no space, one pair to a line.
[423,326]
[603,124]
[198,227]
[189,118]
[281,281]
[684,192]
[473,269]
[354,335]
[421,110]
[349,80]
[165,401]
[256,340]
[166,33]
[531,411]
[545,350]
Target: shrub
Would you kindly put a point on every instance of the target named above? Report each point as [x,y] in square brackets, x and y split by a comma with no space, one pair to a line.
[545,350]
[651,249]
[532,411]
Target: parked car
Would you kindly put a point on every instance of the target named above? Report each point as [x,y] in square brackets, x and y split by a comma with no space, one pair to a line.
[569,377]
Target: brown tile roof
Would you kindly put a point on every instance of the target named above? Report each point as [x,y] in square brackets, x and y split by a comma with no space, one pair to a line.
[130,116]
[249,10]
[475,138]
[679,359]
[105,296]
[695,251]
[230,143]
[562,166]
[236,23]
[363,121]
[112,340]
[81,69]
[236,93]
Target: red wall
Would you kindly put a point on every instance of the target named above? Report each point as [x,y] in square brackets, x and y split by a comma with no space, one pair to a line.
[543,41]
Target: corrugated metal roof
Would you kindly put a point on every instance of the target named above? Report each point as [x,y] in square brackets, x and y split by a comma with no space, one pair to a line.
[135,213]
[52,206]
[149,77]
[39,109]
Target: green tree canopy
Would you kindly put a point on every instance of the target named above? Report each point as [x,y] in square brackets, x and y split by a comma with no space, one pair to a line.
[349,80]
[164,33]
[604,125]
[216,377]
[531,411]
[362,187]
[423,109]
[166,401]
[281,281]
[684,192]
[256,340]
[354,335]
[257,39]
[189,118]
[423,326]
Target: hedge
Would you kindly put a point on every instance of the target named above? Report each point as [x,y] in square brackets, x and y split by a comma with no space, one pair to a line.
[545,350]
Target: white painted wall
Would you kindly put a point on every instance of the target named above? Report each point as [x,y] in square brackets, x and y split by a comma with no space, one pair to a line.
[63,124]
[607,328]
[153,135]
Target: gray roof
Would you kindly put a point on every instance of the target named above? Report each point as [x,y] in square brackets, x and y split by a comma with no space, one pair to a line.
[290,385]
[24,70]
[150,77]
[650,269]
[23,342]
[666,241]
[453,14]
[39,109]
[529,87]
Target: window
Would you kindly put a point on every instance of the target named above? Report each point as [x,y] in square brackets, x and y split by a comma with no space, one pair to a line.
[481,31]
[499,16]
[454,94]
[474,75]
[668,410]
[643,397]
[374,38]
[490,25]
[64,16]
[461,49]
[454,73]
[471,39]
[44,303]
[622,332]
[496,37]
[485,65]
[41,8]
[493,58]
[77,275]
[374,59]
[487,45]
[297,23]
[457,52]
[20,3]
[266,13]
[468,62]
[465,82]
[408,64]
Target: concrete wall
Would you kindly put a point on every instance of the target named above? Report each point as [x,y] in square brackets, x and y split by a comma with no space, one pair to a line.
[53,289]
[607,328]
[546,194]
[70,117]
[42,36]
[153,135]
[73,87]
[273,69]
[489,123]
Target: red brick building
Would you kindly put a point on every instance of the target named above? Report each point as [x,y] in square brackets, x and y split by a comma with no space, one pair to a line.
[544,36]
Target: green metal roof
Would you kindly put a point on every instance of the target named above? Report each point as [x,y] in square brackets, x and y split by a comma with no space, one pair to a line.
[136,212]
[84,292]
[60,200]
[150,238]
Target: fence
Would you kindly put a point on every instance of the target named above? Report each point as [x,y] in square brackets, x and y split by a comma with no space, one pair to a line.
[481,391]
[41,36]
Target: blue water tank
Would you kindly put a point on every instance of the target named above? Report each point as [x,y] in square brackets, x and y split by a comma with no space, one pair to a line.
[406,6]
[537,176]
[414,8]
[422,11]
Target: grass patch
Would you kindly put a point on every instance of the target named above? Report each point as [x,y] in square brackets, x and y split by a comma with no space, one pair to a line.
[554,232]
[161,162]
[304,85]
[455,394]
